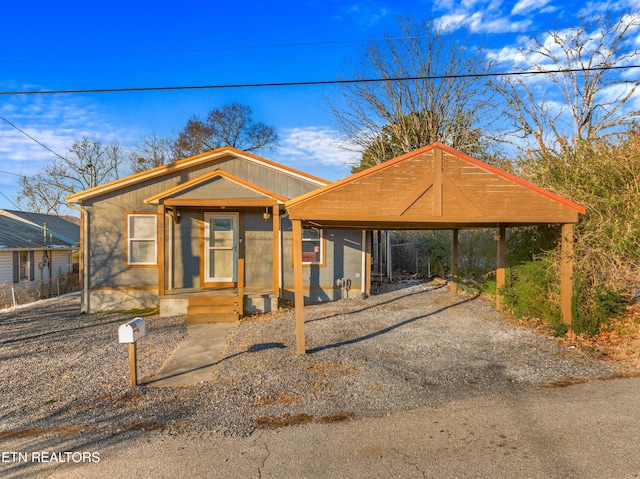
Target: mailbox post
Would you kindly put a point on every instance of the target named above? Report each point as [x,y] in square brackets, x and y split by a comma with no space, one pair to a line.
[129,333]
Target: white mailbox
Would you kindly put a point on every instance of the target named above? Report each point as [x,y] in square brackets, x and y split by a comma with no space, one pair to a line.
[132,331]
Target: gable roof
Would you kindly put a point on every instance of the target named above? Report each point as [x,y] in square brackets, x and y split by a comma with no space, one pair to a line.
[23,230]
[432,187]
[209,157]
[186,191]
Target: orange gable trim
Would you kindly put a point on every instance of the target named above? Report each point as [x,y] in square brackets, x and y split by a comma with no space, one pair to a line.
[156,199]
[451,151]
[210,156]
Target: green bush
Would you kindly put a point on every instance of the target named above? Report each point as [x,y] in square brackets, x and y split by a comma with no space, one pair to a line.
[594,306]
[533,291]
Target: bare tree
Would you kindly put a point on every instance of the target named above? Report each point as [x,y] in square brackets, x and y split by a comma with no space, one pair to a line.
[230,125]
[428,96]
[582,92]
[88,164]
[38,195]
[151,152]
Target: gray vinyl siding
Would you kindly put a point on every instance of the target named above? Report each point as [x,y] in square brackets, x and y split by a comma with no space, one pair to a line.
[265,177]
[185,263]
[107,247]
[107,226]
[258,247]
[220,188]
[342,260]
[61,263]
[6,267]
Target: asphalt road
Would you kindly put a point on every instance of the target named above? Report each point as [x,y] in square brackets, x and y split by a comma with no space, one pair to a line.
[589,430]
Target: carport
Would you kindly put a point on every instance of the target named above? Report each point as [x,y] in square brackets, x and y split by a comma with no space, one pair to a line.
[434,187]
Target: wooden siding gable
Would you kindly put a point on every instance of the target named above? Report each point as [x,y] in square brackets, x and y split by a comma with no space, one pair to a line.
[217,185]
[434,185]
[258,171]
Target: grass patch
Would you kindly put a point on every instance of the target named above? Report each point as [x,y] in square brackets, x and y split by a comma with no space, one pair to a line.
[275,422]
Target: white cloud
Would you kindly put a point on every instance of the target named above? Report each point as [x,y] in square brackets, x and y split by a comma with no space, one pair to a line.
[54,121]
[479,16]
[608,6]
[527,6]
[511,55]
[313,147]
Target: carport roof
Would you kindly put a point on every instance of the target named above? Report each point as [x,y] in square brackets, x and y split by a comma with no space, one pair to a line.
[432,187]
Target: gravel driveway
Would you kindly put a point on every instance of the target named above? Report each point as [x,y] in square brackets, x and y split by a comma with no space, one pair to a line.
[64,374]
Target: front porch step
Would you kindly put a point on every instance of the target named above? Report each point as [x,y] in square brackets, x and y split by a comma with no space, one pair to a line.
[212,318]
[213,309]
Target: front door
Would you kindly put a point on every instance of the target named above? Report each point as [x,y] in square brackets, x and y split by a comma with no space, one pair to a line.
[221,247]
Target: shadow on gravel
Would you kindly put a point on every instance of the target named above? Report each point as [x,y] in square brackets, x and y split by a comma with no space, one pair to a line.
[389,328]
[60,331]
[375,305]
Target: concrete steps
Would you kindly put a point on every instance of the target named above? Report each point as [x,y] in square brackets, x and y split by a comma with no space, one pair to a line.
[214,309]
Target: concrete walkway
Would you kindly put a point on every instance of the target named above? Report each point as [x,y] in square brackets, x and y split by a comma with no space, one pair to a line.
[194,359]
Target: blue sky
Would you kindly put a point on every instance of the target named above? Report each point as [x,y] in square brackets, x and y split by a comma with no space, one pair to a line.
[91,45]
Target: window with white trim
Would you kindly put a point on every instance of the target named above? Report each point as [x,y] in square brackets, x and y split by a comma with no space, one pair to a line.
[142,246]
[23,266]
[312,250]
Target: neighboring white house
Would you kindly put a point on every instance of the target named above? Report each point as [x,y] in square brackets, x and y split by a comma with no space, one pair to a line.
[35,248]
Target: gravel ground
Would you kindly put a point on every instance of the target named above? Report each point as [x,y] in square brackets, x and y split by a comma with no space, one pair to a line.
[64,374]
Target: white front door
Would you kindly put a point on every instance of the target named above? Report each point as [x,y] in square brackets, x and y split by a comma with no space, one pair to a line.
[221,247]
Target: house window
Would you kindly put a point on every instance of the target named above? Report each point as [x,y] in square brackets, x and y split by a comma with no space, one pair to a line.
[311,246]
[23,266]
[142,239]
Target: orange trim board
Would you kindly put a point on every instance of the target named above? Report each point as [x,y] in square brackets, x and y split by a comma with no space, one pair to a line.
[123,288]
[427,149]
[178,165]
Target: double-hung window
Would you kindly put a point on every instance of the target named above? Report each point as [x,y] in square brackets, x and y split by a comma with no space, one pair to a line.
[312,246]
[23,266]
[142,248]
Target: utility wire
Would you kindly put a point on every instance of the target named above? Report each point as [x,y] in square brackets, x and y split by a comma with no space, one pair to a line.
[10,201]
[312,82]
[251,47]
[31,138]
[14,174]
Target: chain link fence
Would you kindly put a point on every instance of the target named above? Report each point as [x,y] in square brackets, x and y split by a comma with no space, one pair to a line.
[407,261]
[17,294]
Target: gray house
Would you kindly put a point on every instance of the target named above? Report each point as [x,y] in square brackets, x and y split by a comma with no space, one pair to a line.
[35,248]
[208,236]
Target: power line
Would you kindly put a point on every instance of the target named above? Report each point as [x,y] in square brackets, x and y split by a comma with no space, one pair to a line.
[14,174]
[254,47]
[10,201]
[311,82]
[31,138]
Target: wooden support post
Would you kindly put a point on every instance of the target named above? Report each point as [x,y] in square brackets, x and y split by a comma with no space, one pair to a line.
[367,263]
[501,266]
[453,286]
[161,248]
[133,365]
[276,249]
[298,286]
[566,274]
[240,277]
